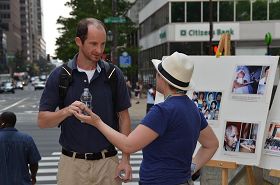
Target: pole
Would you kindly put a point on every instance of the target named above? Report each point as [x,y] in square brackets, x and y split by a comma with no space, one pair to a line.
[114,30]
[267,50]
[210,27]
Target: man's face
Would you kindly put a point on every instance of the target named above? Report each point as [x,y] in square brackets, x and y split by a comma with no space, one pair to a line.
[94,45]
[231,137]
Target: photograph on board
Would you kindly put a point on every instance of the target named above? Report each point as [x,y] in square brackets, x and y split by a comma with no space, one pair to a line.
[208,103]
[240,137]
[250,79]
[272,141]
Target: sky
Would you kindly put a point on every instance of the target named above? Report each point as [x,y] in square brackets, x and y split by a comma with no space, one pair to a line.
[52,9]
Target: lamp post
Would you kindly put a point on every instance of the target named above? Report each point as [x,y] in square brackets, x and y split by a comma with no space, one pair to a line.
[110,38]
[115,31]
[210,27]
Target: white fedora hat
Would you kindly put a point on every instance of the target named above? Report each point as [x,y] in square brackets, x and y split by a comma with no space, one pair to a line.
[176,69]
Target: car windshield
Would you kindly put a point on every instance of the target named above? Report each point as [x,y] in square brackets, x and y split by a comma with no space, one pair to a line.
[8,84]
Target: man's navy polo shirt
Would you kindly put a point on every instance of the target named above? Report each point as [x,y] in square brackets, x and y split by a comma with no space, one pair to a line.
[77,136]
[17,150]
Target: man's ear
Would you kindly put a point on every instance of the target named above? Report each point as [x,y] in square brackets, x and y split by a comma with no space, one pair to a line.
[78,41]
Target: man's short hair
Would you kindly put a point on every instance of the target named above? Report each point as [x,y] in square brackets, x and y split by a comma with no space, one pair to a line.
[82,27]
[8,118]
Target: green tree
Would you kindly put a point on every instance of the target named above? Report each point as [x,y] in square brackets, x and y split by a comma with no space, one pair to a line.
[99,9]
[19,62]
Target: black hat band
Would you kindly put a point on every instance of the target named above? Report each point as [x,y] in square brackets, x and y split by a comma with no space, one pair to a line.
[171,78]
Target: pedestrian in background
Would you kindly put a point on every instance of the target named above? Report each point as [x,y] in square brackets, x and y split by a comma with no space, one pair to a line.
[137,92]
[151,93]
[19,155]
[129,87]
[168,134]
[87,156]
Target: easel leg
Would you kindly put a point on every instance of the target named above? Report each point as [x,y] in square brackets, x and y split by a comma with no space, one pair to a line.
[224,176]
[250,175]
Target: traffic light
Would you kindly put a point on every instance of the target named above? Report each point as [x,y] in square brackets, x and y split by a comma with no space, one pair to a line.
[215,49]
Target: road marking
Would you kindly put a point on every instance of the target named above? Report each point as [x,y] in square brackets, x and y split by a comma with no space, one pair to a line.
[13,104]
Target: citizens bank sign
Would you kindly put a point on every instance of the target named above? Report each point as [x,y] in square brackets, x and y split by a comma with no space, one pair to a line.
[200,32]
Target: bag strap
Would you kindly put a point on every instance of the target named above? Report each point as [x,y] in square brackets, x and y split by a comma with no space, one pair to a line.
[65,79]
[111,78]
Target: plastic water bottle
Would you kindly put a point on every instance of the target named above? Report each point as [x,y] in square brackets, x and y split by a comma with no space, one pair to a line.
[86,98]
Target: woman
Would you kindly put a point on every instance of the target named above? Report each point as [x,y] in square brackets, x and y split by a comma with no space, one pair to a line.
[168,134]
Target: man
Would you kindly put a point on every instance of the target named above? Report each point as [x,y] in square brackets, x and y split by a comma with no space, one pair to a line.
[87,156]
[231,142]
[18,153]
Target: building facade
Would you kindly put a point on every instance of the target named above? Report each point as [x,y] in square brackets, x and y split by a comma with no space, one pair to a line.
[10,24]
[21,22]
[167,26]
[33,43]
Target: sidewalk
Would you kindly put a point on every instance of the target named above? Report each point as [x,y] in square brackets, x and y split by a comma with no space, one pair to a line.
[137,111]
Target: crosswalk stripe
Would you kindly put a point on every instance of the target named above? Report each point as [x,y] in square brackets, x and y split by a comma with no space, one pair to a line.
[48,170]
[46,178]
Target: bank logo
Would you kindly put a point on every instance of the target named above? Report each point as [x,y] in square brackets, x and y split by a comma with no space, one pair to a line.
[183,32]
[198,32]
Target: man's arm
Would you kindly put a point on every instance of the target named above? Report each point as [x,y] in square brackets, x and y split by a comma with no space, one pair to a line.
[48,119]
[33,170]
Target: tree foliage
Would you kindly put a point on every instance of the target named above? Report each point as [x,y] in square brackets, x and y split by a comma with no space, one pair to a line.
[99,9]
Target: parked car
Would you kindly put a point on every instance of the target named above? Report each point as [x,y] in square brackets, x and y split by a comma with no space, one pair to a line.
[39,85]
[7,87]
[19,85]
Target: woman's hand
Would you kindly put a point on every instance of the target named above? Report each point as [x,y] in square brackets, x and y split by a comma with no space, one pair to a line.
[91,118]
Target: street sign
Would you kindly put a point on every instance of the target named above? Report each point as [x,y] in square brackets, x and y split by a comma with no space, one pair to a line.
[110,20]
[125,60]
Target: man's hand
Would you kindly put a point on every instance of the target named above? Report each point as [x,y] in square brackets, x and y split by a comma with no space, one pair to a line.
[33,180]
[73,108]
[124,171]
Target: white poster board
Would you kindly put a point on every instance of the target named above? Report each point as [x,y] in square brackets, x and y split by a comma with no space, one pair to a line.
[271,143]
[242,109]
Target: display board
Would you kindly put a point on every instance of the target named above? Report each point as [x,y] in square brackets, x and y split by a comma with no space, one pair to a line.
[233,93]
[270,158]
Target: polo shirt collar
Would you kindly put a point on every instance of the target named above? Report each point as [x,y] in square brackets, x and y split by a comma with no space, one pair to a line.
[99,66]
[8,129]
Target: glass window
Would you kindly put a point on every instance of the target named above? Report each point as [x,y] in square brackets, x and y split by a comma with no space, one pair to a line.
[157,20]
[178,12]
[243,10]
[226,11]
[189,48]
[194,12]
[260,10]
[274,7]
[206,11]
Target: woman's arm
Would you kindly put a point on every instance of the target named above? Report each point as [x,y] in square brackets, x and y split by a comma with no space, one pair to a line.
[140,137]
[209,145]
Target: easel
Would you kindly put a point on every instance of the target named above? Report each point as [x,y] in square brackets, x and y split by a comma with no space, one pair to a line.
[275,173]
[224,47]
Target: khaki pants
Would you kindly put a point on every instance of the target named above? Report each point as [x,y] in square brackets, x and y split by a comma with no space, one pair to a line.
[72,171]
